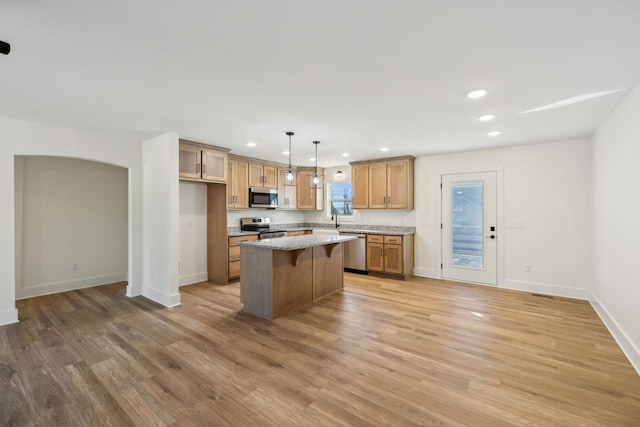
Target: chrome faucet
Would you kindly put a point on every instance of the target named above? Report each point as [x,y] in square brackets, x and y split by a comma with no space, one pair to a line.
[336,215]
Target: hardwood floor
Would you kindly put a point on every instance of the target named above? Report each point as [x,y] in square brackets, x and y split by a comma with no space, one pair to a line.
[383,352]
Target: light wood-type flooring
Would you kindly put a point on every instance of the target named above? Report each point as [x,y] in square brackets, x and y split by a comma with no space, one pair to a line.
[383,352]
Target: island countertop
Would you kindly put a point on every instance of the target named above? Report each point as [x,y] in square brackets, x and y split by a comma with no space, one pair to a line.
[297,242]
[282,275]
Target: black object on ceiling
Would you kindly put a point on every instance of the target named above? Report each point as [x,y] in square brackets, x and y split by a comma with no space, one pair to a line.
[5,48]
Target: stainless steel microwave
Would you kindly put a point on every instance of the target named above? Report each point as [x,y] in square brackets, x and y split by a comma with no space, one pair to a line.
[263,198]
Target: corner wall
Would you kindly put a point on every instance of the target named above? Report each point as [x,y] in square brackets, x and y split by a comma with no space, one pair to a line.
[161,219]
[616,227]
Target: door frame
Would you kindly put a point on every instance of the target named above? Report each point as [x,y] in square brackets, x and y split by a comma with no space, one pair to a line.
[500,223]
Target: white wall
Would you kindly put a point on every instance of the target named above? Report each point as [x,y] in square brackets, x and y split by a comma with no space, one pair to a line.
[193,232]
[69,211]
[161,219]
[18,137]
[546,186]
[616,226]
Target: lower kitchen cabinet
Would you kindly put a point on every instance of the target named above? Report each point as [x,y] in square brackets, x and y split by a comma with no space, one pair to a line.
[234,254]
[390,255]
[298,233]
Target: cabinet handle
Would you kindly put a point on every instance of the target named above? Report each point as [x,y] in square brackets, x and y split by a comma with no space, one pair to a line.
[197,167]
[204,168]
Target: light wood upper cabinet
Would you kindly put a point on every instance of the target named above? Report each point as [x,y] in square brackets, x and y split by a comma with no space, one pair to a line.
[190,161]
[383,184]
[360,186]
[308,197]
[378,185]
[237,184]
[214,165]
[263,175]
[287,197]
[400,184]
[199,162]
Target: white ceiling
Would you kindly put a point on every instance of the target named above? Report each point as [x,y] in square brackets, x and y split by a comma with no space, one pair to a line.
[355,74]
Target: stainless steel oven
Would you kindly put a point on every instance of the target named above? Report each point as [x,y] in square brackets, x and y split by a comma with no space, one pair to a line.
[262,226]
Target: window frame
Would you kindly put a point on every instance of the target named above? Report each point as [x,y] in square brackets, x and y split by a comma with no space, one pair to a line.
[329,199]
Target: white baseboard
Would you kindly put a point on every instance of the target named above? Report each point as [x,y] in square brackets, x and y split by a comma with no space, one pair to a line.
[8,316]
[133,290]
[429,273]
[627,346]
[167,300]
[193,278]
[547,289]
[70,285]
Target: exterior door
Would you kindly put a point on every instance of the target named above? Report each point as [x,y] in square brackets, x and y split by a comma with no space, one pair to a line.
[469,227]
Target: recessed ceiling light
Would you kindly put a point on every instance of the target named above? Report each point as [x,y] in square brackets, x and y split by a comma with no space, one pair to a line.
[286,153]
[384,149]
[493,133]
[486,117]
[477,93]
[345,154]
[312,159]
[251,144]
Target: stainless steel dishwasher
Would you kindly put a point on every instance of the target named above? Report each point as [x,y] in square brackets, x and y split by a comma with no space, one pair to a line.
[355,253]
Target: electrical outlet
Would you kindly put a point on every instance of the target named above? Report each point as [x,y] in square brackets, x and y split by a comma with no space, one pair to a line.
[75,266]
[528,268]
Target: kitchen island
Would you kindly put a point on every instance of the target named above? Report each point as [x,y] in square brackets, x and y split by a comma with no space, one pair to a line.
[281,275]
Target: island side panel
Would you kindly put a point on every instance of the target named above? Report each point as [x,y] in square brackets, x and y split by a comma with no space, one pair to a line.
[292,284]
[256,281]
[328,274]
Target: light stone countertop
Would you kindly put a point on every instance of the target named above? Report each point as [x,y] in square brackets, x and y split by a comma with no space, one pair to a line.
[297,242]
[390,231]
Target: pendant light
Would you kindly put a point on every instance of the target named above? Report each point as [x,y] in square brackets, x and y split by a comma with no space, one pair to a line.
[317,178]
[290,178]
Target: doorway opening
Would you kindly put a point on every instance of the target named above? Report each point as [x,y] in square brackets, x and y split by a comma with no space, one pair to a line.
[72,224]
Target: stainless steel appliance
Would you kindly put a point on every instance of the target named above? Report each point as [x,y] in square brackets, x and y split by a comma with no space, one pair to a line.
[263,198]
[262,226]
[355,253]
